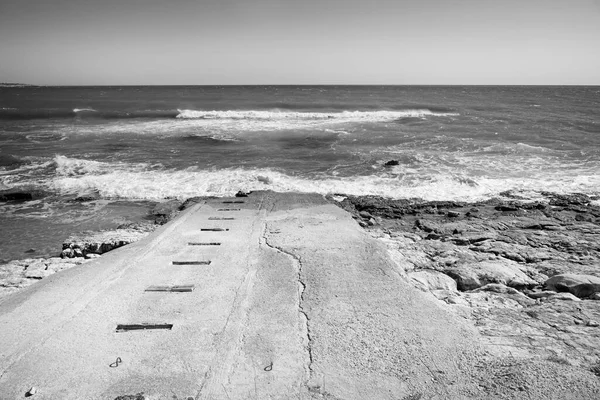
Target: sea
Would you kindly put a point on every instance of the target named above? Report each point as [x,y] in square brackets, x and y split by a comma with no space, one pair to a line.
[130,147]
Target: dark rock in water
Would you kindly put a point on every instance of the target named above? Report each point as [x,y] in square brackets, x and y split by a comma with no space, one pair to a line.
[163,212]
[87,197]
[21,195]
[391,163]
[264,179]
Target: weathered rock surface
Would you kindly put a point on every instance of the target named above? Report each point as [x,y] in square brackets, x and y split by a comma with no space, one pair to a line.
[100,242]
[432,280]
[580,285]
[527,273]
[18,274]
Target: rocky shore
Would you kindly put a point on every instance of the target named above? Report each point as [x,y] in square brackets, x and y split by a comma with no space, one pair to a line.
[527,274]
[81,248]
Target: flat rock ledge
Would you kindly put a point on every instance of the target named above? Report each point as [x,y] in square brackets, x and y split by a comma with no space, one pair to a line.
[19,274]
[527,274]
[100,242]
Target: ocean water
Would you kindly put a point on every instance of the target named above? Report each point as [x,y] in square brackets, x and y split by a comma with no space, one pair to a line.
[133,146]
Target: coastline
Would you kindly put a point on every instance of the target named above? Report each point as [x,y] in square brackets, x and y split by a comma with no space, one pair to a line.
[514,270]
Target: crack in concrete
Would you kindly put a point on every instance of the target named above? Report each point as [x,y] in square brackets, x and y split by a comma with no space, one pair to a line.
[297,261]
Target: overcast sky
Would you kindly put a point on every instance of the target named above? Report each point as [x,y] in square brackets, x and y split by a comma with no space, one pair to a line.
[126,42]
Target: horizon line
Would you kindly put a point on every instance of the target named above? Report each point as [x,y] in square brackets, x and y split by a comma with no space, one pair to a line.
[17,84]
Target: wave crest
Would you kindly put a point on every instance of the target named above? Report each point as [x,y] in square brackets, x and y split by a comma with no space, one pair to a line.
[367,116]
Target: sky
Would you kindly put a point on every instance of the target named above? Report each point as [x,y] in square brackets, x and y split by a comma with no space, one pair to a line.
[217,42]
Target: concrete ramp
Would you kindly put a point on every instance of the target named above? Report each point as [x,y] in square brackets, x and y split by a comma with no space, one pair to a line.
[281,296]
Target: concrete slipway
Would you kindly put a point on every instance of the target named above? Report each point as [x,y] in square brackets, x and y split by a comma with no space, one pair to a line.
[297,302]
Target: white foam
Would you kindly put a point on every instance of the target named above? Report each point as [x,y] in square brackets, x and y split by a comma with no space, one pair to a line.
[292,115]
[154,185]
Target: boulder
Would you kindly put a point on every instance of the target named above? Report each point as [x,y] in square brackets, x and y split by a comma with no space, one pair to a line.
[472,276]
[579,285]
[391,163]
[432,280]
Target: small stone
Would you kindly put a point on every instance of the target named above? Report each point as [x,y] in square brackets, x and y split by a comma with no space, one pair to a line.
[592,323]
[391,163]
[362,224]
[30,251]
[92,255]
[78,253]
[595,296]
[241,194]
[31,392]
[453,214]
[365,214]
[67,253]
[371,222]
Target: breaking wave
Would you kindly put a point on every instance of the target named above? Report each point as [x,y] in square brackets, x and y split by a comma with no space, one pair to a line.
[367,116]
[142,181]
[255,115]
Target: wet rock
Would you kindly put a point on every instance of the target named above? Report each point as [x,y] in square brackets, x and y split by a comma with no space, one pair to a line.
[21,195]
[579,285]
[163,212]
[264,179]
